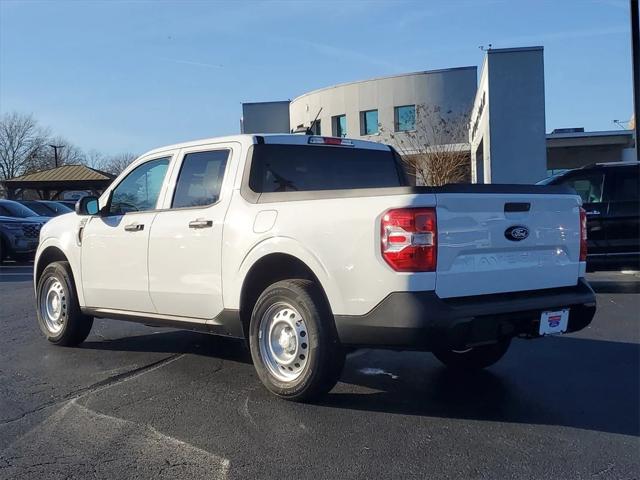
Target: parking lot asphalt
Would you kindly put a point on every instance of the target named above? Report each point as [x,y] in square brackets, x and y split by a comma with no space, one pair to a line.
[144,402]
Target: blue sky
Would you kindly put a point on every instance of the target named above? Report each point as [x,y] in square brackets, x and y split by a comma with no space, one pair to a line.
[130,76]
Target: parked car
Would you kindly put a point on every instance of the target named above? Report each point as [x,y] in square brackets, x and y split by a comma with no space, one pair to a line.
[46,208]
[307,245]
[610,194]
[71,204]
[19,230]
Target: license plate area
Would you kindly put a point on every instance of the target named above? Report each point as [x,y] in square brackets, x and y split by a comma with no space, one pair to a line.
[554,322]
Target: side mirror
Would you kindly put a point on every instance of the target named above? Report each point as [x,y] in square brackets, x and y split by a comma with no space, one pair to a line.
[87,206]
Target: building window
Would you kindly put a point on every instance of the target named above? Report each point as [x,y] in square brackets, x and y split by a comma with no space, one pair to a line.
[339,125]
[315,128]
[369,122]
[405,118]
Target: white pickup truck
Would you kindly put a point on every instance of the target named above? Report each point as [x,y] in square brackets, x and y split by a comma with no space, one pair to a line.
[307,246]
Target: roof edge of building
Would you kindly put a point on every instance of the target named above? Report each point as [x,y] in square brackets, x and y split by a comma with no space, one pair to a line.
[22,177]
[492,51]
[262,103]
[386,77]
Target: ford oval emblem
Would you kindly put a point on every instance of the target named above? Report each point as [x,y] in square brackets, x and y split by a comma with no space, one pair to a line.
[516,233]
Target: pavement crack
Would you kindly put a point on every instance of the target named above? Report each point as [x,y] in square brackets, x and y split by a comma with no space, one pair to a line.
[98,386]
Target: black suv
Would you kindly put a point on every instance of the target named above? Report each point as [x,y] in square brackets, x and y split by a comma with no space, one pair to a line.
[19,230]
[610,195]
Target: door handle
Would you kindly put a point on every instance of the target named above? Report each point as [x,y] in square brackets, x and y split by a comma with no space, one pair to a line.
[134,227]
[201,223]
[593,212]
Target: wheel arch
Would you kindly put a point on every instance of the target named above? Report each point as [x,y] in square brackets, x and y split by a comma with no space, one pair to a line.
[267,270]
[49,254]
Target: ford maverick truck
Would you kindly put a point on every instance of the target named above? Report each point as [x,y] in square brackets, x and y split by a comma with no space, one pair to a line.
[308,246]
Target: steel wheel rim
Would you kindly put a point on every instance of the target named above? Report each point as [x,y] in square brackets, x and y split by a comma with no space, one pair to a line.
[53,305]
[283,341]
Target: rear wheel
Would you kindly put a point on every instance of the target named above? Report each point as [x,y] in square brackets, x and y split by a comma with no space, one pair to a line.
[474,358]
[59,315]
[294,345]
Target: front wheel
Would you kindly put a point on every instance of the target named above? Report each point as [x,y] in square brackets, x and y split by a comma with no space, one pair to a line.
[293,341]
[59,315]
[474,358]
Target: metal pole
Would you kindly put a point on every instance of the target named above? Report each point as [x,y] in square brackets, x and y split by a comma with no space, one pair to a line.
[55,152]
[635,55]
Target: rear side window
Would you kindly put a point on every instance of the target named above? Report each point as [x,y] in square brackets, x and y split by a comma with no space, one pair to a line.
[200,179]
[300,168]
[625,185]
[588,186]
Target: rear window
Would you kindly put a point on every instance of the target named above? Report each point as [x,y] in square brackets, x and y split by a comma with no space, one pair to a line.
[300,168]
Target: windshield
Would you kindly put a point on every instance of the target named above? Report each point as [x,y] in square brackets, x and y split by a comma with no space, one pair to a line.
[59,208]
[549,180]
[54,208]
[14,209]
[40,208]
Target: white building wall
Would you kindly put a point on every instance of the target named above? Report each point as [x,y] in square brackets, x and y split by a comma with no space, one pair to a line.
[451,89]
[511,122]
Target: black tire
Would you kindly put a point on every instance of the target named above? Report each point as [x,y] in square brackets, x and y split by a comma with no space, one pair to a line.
[324,354]
[75,326]
[475,358]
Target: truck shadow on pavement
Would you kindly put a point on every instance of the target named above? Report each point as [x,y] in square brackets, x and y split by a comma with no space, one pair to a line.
[564,381]
[612,286]
[568,381]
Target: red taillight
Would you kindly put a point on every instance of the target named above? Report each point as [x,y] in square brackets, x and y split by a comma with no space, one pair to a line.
[583,235]
[343,142]
[409,239]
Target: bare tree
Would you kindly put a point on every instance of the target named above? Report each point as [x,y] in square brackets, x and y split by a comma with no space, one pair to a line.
[22,140]
[114,164]
[68,154]
[437,150]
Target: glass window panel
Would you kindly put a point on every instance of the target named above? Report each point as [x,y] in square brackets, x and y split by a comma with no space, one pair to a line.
[405,118]
[589,187]
[200,179]
[140,188]
[290,168]
[369,122]
[339,124]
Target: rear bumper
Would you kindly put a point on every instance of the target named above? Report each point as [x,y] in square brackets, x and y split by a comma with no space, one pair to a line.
[422,320]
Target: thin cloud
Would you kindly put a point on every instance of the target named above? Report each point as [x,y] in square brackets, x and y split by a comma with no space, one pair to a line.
[565,35]
[190,62]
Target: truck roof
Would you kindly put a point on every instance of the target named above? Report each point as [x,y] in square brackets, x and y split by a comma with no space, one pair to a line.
[270,138]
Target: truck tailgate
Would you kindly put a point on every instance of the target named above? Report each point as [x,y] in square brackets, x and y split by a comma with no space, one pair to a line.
[506,242]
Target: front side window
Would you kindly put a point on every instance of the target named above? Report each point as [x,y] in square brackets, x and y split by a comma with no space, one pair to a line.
[369,122]
[140,188]
[405,118]
[589,187]
[339,126]
[200,179]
